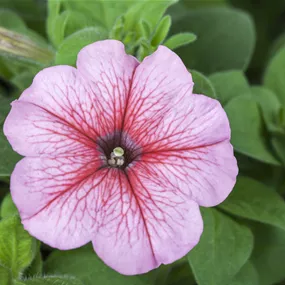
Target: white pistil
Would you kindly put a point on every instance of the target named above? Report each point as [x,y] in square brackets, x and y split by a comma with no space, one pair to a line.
[117,157]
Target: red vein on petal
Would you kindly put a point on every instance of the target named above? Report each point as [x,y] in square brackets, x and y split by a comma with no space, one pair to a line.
[127,103]
[141,213]
[61,193]
[63,120]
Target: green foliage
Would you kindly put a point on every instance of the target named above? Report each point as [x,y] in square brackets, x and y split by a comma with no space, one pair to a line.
[269,253]
[248,132]
[8,207]
[5,276]
[66,24]
[180,273]
[270,107]
[32,12]
[274,75]
[69,48]
[246,276]
[230,84]
[202,85]
[271,176]
[148,10]
[194,4]
[11,21]
[277,45]
[23,79]
[161,31]
[253,200]
[224,247]
[36,267]
[5,101]
[21,49]
[17,247]
[226,39]
[86,266]
[180,40]
[8,157]
[53,280]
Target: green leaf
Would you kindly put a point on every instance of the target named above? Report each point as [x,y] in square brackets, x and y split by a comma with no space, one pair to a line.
[224,247]
[67,23]
[53,12]
[93,10]
[4,70]
[179,40]
[193,4]
[5,101]
[246,276]
[145,29]
[36,268]
[31,11]
[8,158]
[269,104]
[202,85]
[86,266]
[226,39]
[269,254]
[247,129]
[149,10]
[53,280]
[17,247]
[5,276]
[58,28]
[277,45]
[37,39]
[4,190]
[11,21]
[230,84]
[274,75]
[278,142]
[255,201]
[114,9]
[8,207]
[161,31]
[180,274]
[76,21]
[270,175]
[23,80]
[70,47]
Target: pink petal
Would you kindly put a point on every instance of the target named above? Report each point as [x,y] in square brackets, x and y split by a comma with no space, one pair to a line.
[54,116]
[132,217]
[144,222]
[159,82]
[55,198]
[33,130]
[109,72]
[191,143]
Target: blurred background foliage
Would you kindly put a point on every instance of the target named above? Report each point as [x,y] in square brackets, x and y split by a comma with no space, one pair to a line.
[235,50]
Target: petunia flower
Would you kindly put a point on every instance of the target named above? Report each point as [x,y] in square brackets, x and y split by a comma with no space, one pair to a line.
[119,153]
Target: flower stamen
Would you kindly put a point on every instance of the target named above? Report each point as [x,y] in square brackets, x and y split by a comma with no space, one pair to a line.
[117,157]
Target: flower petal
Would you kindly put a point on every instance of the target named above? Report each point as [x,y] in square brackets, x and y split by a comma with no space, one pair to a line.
[144,223]
[55,199]
[52,116]
[109,72]
[192,147]
[159,81]
[132,216]
[34,130]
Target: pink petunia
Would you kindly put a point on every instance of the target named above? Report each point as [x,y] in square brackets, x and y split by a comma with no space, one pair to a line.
[119,153]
